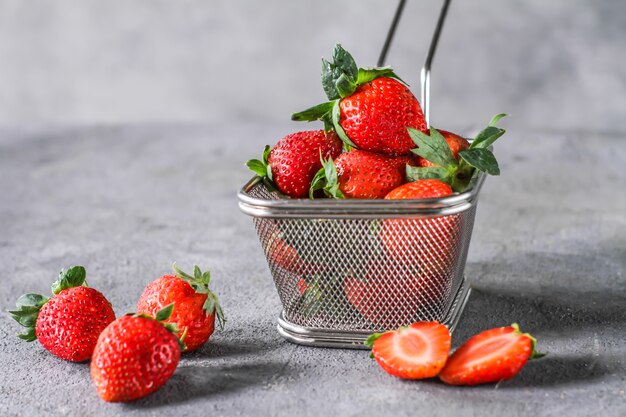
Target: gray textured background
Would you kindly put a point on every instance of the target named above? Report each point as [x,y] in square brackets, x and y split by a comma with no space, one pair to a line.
[551,64]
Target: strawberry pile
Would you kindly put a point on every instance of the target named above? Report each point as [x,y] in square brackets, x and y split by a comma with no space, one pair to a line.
[421,350]
[131,356]
[374,141]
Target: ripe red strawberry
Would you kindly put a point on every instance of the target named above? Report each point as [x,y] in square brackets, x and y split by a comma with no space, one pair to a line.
[427,242]
[196,306]
[417,351]
[383,292]
[369,108]
[419,190]
[491,356]
[455,142]
[69,323]
[360,174]
[295,159]
[135,356]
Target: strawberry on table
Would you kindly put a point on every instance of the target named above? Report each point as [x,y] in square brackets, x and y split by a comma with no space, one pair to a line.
[360,174]
[417,351]
[292,163]
[491,356]
[135,356]
[67,324]
[370,109]
[196,306]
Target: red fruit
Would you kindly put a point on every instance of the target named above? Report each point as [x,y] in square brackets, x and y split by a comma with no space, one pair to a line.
[456,143]
[491,356]
[419,190]
[196,306]
[134,357]
[376,115]
[415,352]
[295,159]
[430,243]
[391,295]
[69,323]
[369,175]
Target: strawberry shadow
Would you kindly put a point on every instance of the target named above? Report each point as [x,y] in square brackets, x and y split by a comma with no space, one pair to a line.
[229,349]
[553,370]
[192,382]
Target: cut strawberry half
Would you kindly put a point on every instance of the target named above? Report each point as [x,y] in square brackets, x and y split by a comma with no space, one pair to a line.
[491,356]
[417,351]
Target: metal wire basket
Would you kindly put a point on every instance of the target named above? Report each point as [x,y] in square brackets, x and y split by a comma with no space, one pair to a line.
[345,269]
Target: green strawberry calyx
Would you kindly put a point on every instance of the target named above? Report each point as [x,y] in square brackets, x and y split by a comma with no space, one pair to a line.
[340,78]
[327,180]
[535,354]
[161,316]
[461,173]
[200,283]
[29,305]
[261,167]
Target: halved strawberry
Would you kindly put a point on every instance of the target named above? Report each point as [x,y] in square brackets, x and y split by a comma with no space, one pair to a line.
[417,351]
[491,356]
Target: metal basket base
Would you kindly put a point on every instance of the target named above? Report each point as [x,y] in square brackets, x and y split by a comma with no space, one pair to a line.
[354,339]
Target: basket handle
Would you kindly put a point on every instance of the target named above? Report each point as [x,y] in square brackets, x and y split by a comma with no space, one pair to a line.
[425,73]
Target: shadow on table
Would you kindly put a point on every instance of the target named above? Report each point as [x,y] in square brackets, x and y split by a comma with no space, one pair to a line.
[193,382]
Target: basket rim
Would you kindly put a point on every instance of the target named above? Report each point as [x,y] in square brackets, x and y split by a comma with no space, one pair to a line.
[328,208]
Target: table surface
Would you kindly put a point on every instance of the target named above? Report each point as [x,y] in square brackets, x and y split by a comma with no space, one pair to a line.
[548,252]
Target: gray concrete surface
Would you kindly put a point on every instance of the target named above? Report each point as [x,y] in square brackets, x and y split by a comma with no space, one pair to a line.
[557,63]
[548,252]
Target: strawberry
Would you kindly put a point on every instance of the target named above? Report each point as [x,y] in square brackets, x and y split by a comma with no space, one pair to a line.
[295,159]
[455,142]
[427,242]
[417,351]
[370,109]
[67,324]
[491,356]
[379,294]
[439,160]
[135,356]
[360,174]
[420,189]
[196,306]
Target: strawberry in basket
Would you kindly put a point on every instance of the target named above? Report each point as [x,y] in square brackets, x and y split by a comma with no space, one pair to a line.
[370,109]
[293,162]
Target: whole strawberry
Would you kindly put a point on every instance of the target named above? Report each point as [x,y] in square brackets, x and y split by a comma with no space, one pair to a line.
[135,356]
[370,109]
[196,306]
[360,174]
[67,324]
[295,159]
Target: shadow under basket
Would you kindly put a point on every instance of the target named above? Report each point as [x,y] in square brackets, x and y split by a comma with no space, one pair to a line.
[347,268]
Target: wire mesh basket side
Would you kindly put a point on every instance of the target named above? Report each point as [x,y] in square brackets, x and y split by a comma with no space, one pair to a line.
[366,273]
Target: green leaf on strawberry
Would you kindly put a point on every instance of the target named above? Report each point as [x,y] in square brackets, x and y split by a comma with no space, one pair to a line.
[74,277]
[481,159]
[342,65]
[28,306]
[261,166]
[326,179]
[433,148]
[460,174]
